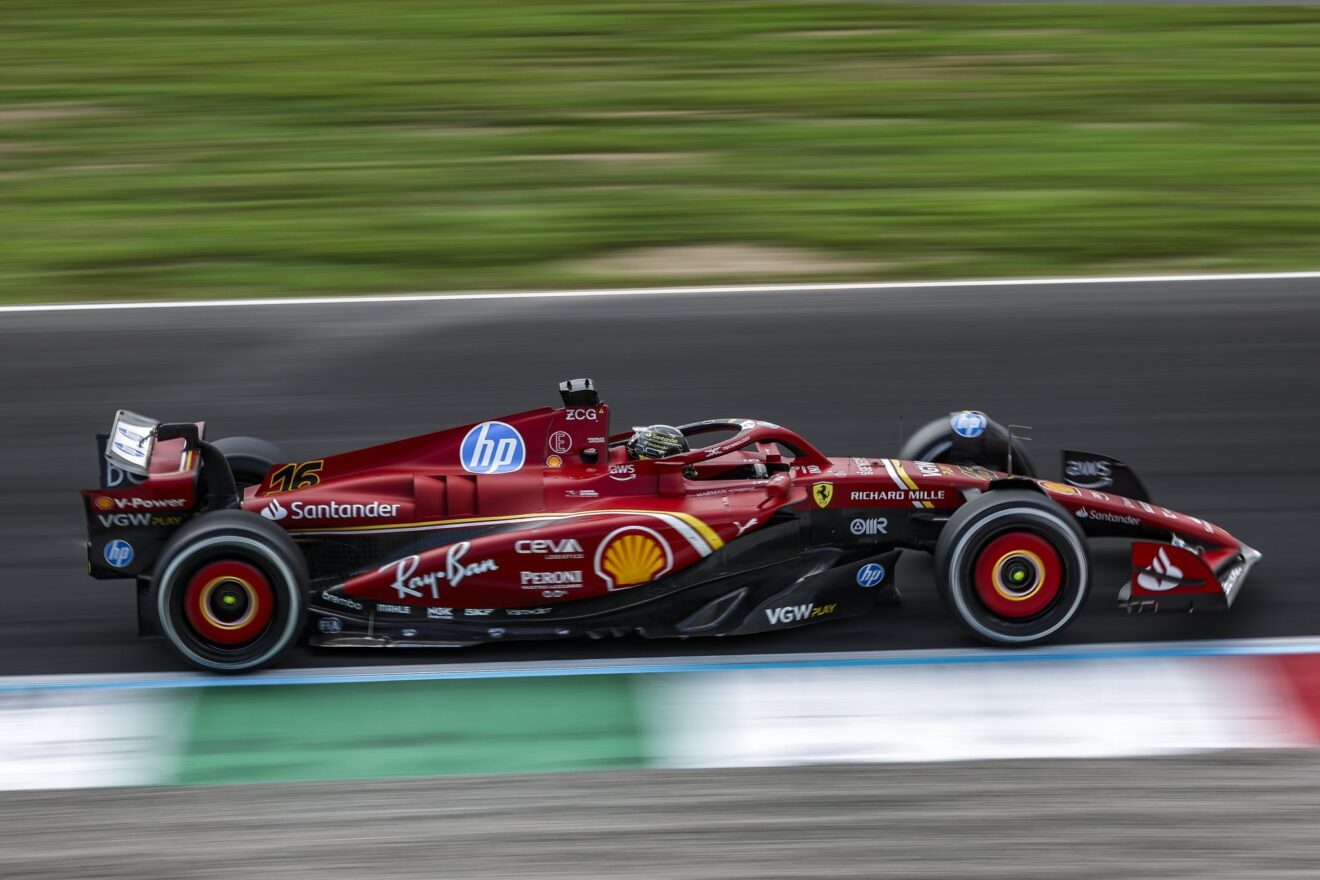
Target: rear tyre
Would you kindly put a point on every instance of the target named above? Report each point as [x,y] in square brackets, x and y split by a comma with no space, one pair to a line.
[229,592]
[1013,567]
[250,458]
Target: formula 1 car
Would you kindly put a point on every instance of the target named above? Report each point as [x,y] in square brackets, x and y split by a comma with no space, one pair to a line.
[541,525]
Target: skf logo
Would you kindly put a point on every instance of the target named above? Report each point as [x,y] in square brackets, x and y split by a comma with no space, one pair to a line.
[823,493]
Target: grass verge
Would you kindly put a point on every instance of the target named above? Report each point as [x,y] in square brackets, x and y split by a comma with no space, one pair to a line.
[287,146]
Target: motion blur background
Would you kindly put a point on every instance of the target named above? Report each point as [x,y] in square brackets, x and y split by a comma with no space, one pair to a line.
[158,151]
[200,149]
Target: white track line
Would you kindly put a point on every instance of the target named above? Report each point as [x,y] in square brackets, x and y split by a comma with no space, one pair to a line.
[654,665]
[850,287]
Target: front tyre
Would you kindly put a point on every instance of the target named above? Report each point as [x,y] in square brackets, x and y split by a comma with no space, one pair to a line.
[1013,567]
[228,595]
[939,443]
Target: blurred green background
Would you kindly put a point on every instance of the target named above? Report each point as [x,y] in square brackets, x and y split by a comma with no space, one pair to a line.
[152,149]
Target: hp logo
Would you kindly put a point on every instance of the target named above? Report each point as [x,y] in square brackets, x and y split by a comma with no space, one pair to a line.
[492,448]
[119,553]
[870,574]
[968,423]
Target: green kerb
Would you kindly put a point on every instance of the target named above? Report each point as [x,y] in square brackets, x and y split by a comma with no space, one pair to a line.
[429,728]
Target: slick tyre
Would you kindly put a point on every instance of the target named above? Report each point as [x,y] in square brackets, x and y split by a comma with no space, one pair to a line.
[1013,567]
[229,590]
[250,458]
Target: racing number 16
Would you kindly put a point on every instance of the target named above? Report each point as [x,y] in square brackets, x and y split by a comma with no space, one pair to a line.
[296,475]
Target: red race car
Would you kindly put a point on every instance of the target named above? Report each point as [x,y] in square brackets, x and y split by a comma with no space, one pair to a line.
[544,525]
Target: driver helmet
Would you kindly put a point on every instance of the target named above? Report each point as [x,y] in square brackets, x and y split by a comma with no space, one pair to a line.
[656,441]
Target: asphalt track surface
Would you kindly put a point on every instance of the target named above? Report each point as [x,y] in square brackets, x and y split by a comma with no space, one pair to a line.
[1232,815]
[1208,389]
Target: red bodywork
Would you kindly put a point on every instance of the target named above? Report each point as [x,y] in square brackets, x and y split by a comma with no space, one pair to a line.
[576,519]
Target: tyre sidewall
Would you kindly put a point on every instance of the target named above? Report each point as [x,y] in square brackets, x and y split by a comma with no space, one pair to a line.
[995,513]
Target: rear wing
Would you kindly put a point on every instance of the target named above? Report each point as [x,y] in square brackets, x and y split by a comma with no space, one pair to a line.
[131,443]
[135,440]
[155,476]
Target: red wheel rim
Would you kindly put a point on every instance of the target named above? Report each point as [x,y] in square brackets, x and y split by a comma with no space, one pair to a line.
[228,602]
[1018,575]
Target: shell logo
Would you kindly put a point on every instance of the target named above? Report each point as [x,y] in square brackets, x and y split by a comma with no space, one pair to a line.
[103,503]
[632,555]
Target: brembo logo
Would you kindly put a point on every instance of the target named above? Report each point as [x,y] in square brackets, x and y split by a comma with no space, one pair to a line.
[1166,575]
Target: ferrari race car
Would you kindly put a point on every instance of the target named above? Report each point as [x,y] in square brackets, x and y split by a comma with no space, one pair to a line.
[544,525]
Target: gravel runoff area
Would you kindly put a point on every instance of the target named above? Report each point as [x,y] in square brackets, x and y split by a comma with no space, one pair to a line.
[1240,815]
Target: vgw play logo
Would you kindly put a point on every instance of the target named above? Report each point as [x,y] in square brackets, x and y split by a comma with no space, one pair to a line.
[492,448]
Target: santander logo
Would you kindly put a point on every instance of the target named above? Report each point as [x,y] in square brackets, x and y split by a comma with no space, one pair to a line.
[274,511]
[1166,577]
